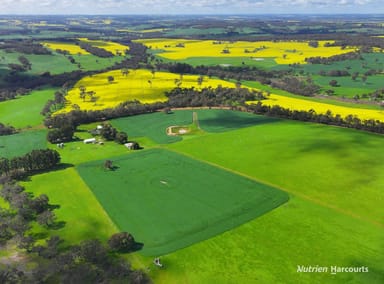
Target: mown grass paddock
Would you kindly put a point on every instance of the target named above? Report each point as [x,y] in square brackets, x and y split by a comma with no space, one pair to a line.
[168,201]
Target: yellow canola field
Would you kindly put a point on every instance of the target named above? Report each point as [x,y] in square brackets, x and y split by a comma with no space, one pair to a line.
[148,87]
[300,104]
[284,52]
[110,46]
[141,85]
[73,49]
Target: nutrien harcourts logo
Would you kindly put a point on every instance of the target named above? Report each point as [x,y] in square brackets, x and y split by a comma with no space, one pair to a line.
[331,269]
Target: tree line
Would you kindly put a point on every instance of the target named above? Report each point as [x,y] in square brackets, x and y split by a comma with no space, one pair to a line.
[36,160]
[296,85]
[350,121]
[220,96]
[12,93]
[24,46]
[99,52]
[335,58]
[6,129]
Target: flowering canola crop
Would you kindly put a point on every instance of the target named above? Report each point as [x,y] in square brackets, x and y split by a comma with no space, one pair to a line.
[71,48]
[110,46]
[141,85]
[148,87]
[300,104]
[283,52]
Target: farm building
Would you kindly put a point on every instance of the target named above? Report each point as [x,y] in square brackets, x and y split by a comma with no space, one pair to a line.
[132,145]
[89,141]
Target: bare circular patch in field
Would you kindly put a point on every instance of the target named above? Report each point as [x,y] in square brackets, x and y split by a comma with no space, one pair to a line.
[177,130]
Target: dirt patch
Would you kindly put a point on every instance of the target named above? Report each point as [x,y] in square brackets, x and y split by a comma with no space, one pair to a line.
[177,130]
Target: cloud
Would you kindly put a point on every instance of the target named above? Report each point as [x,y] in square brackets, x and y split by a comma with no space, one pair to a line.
[186,7]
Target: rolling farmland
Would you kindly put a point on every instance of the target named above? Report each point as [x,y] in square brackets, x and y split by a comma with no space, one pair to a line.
[164,129]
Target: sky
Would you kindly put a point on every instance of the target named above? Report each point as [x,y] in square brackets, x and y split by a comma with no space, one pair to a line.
[151,7]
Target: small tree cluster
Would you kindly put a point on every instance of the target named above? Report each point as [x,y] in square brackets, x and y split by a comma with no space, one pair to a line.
[36,160]
[15,221]
[122,242]
[62,134]
[6,129]
[110,133]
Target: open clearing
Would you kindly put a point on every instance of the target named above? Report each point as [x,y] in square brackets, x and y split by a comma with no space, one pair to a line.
[156,196]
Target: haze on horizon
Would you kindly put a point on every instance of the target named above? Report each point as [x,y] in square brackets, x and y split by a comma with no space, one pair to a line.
[175,7]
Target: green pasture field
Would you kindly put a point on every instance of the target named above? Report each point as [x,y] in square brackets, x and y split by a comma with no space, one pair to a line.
[92,62]
[154,125]
[80,214]
[269,249]
[25,111]
[55,63]
[231,61]
[339,167]
[168,201]
[370,61]
[58,63]
[349,88]
[334,215]
[22,143]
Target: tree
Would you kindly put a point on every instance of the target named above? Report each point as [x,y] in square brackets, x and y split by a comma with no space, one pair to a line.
[82,90]
[40,203]
[124,72]
[313,43]
[108,132]
[51,250]
[122,242]
[46,218]
[354,76]
[333,83]
[108,164]
[4,166]
[11,275]
[200,80]
[121,137]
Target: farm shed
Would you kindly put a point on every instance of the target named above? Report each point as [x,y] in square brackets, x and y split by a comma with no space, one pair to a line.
[130,145]
[89,141]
